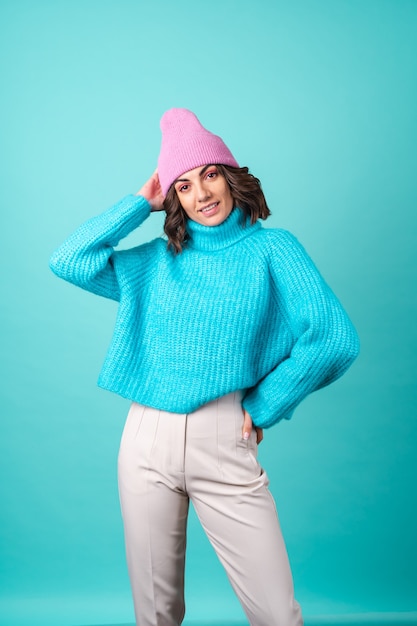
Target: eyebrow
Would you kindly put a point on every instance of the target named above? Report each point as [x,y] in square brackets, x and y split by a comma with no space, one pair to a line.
[200,173]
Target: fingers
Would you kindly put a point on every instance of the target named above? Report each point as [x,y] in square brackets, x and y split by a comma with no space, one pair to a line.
[155,179]
[247,428]
[152,191]
[247,425]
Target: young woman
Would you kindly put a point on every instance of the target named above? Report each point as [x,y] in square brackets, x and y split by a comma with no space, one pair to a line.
[222,329]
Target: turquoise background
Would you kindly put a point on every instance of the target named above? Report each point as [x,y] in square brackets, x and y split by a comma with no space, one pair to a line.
[319,98]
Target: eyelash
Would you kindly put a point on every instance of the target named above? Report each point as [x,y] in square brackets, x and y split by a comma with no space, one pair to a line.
[211,174]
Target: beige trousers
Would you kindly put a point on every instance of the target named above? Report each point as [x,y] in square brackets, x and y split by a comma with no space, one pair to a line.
[165,460]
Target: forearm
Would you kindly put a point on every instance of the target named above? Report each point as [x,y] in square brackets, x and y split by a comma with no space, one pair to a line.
[325,342]
[319,357]
[85,258]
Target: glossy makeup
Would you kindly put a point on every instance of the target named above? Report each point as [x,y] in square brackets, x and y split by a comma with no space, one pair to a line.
[204,195]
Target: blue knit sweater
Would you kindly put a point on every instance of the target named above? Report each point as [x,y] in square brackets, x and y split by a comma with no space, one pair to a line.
[241,308]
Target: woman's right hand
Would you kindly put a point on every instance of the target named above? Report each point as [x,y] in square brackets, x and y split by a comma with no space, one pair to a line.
[152,192]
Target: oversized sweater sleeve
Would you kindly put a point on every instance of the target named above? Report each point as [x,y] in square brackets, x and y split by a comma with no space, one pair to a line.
[325,341]
[86,258]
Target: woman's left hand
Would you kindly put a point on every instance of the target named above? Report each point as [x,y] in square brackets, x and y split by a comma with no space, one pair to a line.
[247,428]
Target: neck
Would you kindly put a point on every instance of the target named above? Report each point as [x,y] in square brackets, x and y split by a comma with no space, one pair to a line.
[210,238]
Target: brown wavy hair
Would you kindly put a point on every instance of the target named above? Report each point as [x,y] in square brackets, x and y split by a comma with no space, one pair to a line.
[246,192]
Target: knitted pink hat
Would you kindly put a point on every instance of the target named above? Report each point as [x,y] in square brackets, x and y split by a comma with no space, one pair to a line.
[186,144]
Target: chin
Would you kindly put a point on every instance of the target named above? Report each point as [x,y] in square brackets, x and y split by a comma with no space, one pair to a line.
[215,221]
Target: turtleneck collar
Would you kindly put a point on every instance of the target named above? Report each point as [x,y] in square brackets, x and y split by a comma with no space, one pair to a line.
[210,238]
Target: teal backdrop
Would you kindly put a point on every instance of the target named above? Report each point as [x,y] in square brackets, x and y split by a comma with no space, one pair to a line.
[319,99]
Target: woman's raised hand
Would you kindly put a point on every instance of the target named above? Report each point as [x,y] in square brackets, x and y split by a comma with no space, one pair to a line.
[152,191]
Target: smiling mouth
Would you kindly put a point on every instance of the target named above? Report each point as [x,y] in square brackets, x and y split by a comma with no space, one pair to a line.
[209,207]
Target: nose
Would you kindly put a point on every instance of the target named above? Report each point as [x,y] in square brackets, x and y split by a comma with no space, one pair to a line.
[203,193]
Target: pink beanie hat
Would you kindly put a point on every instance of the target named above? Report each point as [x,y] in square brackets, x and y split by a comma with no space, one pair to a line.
[186,144]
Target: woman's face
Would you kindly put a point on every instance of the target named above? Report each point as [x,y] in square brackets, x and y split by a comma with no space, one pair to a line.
[204,195]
